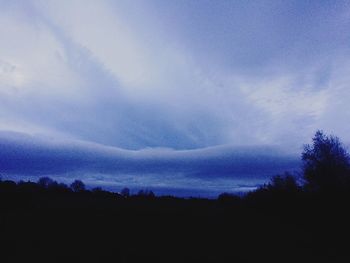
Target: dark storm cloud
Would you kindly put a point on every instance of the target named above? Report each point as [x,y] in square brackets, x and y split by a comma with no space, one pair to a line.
[29,155]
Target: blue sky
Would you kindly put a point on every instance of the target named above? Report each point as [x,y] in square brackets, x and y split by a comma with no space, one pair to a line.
[179,77]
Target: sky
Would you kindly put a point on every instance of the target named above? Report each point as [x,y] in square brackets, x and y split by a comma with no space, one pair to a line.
[185,97]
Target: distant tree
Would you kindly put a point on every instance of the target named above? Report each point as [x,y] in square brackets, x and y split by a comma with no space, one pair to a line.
[59,187]
[97,190]
[146,193]
[283,183]
[8,186]
[326,164]
[45,182]
[228,197]
[125,192]
[28,187]
[77,186]
[63,187]
[151,194]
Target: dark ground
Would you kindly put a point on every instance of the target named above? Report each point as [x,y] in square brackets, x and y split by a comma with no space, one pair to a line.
[44,226]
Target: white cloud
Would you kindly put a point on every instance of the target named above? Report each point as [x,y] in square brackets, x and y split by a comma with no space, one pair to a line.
[90,70]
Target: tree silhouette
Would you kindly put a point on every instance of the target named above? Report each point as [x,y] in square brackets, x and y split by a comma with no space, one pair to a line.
[146,193]
[283,183]
[125,192]
[326,164]
[97,190]
[77,186]
[45,182]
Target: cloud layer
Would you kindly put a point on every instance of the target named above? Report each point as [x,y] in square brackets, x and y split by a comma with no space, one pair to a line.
[180,75]
[226,167]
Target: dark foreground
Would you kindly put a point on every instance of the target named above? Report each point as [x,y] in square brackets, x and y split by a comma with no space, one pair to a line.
[49,226]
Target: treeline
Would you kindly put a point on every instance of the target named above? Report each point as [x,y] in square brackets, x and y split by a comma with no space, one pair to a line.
[325,170]
[293,218]
[48,185]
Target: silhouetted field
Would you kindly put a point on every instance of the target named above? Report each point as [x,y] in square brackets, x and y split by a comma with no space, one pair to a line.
[50,225]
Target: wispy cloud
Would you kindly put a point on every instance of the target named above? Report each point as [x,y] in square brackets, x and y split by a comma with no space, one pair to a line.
[110,73]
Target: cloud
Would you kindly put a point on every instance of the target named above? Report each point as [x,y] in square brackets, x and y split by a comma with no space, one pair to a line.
[115,74]
[169,93]
[24,155]
[92,88]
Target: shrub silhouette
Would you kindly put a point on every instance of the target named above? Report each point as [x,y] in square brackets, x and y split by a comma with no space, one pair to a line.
[326,164]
